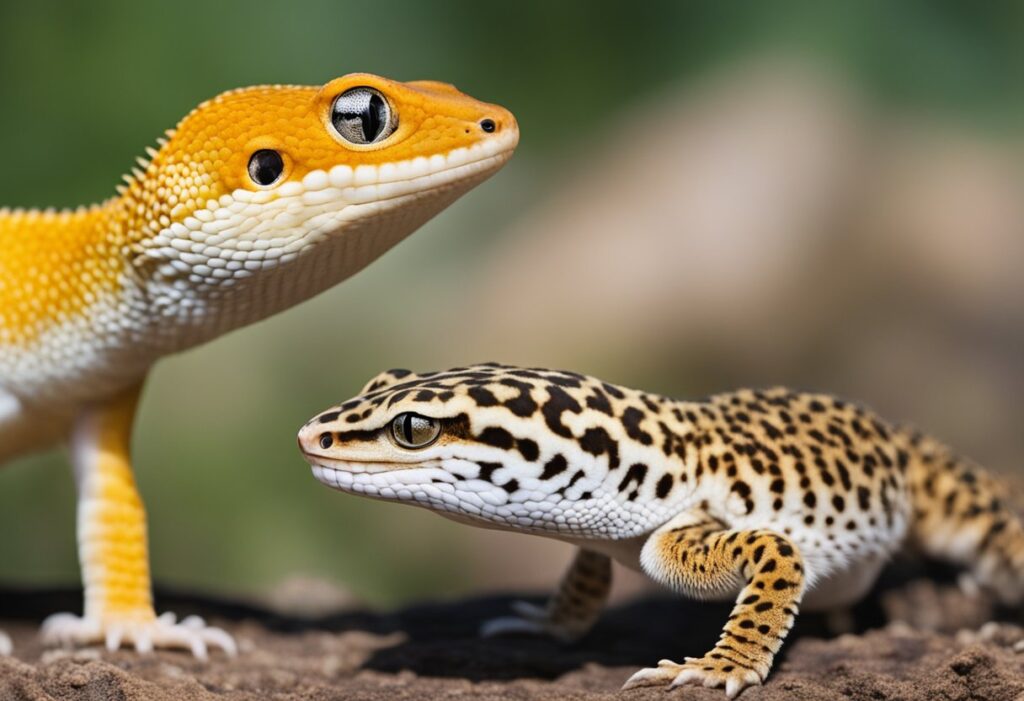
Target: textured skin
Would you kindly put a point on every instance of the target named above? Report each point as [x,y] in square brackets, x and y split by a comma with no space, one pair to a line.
[774,498]
[191,248]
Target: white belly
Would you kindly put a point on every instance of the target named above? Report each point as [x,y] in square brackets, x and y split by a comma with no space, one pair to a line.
[843,587]
[626,552]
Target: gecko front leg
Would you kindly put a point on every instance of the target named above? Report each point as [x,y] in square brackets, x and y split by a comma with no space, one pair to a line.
[112,547]
[698,556]
[571,612]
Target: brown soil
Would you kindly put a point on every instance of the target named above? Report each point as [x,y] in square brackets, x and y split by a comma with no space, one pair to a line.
[431,651]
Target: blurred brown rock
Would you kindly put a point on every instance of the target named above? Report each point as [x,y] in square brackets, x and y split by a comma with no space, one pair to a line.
[769,227]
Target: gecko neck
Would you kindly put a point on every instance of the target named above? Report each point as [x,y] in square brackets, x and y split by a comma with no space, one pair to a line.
[619,489]
[658,469]
[203,309]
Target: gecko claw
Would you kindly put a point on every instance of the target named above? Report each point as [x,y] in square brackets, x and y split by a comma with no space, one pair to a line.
[706,671]
[113,638]
[663,674]
[165,631]
[529,610]
[531,619]
[511,625]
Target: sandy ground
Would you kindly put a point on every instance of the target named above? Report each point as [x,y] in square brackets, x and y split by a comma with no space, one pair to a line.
[941,649]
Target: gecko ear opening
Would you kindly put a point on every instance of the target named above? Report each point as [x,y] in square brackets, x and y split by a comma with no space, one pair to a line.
[386,379]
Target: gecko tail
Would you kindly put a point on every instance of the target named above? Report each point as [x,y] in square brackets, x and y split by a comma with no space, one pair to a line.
[965,516]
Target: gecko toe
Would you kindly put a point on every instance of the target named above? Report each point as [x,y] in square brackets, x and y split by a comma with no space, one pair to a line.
[712,672]
[511,625]
[530,611]
[144,634]
[531,620]
[662,675]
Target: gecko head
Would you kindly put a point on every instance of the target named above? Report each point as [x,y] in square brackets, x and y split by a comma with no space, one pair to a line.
[259,178]
[498,445]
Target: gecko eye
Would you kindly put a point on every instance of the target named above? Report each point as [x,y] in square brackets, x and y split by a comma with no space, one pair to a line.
[363,116]
[265,167]
[414,431]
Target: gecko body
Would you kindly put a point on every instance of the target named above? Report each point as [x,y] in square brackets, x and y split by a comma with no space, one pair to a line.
[776,499]
[259,199]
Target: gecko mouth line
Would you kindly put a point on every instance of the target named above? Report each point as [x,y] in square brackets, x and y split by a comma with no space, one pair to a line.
[415,175]
[421,186]
[356,467]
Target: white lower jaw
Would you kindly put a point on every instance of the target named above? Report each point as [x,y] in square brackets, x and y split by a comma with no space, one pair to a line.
[336,479]
[390,482]
[355,478]
[342,480]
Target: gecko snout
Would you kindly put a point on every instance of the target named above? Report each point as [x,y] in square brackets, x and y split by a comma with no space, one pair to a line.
[314,438]
[498,120]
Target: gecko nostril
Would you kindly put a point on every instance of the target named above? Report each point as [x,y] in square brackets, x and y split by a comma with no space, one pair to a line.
[325,440]
[488,125]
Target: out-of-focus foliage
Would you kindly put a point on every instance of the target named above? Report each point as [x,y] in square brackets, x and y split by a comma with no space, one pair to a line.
[859,162]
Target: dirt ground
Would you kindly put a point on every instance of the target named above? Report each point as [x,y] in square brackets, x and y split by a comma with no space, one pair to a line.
[915,641]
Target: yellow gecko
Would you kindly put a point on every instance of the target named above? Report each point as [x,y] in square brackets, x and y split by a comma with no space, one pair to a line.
[259,199]
[774,499]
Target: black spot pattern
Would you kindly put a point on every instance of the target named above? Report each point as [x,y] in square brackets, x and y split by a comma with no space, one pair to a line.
[497,437]
[554,467]
[596,441]
[631,419]
[636,473]
[558,403]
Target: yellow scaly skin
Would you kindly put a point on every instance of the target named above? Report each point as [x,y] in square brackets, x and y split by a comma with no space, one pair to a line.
[259,199]
[775,499]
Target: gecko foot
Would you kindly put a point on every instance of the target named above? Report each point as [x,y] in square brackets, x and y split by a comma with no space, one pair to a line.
[164,631]
[706,671]
[530,619]
[5,644]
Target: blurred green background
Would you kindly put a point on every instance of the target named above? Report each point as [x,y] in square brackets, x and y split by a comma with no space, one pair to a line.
[706,194]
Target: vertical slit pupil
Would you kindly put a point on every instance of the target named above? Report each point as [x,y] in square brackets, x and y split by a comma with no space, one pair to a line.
[362,116]
[372,117]
[407,428]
